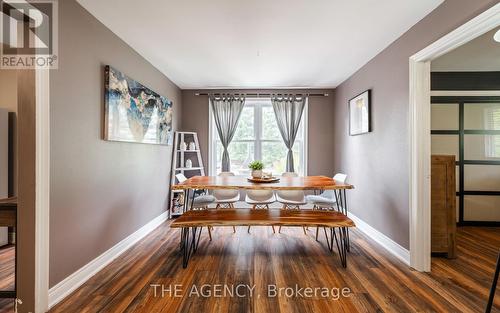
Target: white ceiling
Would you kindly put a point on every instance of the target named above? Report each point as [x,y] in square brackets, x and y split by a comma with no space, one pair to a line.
[259,43]
[480,54]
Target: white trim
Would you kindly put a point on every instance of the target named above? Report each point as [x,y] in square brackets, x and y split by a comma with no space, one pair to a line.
[42,190]
[474,28]
[420,166]
[75,280]
[419,130]
[465,93]
[393,247]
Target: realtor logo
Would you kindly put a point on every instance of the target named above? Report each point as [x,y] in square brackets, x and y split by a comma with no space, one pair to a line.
[29,34]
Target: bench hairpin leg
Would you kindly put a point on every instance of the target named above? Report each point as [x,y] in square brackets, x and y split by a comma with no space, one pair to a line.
[181,244]
[186,249]
[190,245]
[341,245]
[330,247]
[332,234]
[195,238]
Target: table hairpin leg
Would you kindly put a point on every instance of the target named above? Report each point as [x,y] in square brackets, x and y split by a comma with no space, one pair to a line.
[348,240]
[184,209]
[188,198]
[341,201]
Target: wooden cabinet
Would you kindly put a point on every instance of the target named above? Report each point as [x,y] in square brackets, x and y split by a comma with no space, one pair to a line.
[443,205]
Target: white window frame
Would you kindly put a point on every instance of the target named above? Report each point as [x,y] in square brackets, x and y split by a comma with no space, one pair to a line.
[212,132]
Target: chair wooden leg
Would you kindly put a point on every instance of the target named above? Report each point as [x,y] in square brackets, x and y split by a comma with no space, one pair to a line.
[274,231]
[279,230]
[304,229]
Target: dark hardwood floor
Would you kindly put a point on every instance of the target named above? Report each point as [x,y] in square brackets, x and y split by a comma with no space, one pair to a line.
[6,276]
[377,280]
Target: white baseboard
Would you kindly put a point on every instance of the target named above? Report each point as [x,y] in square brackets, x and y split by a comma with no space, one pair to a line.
[386,242]
[75,280]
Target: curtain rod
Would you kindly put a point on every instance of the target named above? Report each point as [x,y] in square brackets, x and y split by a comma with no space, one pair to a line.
[262,94]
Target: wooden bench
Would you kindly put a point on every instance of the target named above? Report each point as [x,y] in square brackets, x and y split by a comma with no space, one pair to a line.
[191,223]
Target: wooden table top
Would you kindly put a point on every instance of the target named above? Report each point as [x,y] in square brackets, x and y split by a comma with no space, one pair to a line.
[240,182]
[277,217]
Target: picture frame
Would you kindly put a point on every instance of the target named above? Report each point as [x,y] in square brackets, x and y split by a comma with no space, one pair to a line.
[133,112]
[360,114]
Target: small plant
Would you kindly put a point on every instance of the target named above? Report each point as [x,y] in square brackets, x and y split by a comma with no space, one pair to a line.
[256,165]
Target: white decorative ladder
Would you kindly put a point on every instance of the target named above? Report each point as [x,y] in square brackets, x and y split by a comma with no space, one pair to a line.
[179,158]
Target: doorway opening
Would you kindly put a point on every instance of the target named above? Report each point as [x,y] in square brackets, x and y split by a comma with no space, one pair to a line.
[420,130]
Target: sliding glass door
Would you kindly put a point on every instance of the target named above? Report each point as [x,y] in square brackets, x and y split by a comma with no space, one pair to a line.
[469,128]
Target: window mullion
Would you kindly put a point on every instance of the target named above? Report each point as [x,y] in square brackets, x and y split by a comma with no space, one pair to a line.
[258,131]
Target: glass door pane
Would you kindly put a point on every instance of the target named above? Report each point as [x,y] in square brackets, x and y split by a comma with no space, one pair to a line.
[445,144]
[482,177]
[444,116]
[482,147]
[484,116]
[482,208]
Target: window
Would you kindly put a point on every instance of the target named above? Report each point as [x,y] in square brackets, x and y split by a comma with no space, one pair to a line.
[257,137]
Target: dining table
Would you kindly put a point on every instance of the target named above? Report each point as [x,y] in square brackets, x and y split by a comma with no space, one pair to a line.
[238,216]
[306,183]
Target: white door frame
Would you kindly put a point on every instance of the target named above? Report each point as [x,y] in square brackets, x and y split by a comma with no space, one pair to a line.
[42,189]
[420,131]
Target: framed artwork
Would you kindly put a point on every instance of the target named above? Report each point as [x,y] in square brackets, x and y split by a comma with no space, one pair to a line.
[359,114]
[133,112]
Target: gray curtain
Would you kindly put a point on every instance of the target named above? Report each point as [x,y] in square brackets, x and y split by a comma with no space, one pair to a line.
[227,111]
[288,111]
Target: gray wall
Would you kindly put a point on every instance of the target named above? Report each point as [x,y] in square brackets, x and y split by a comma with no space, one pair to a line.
[321,147]
[377,163]
[101,191]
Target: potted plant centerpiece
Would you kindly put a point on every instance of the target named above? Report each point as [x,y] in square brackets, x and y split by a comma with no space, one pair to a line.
[256,167]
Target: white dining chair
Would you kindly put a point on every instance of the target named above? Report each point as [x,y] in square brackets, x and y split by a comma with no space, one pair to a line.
[260,199]
[200,202]
[225,198]
[326,200]
[291,199]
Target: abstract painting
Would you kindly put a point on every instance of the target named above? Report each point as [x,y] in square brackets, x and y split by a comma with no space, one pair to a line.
[359,114]
[133,112]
